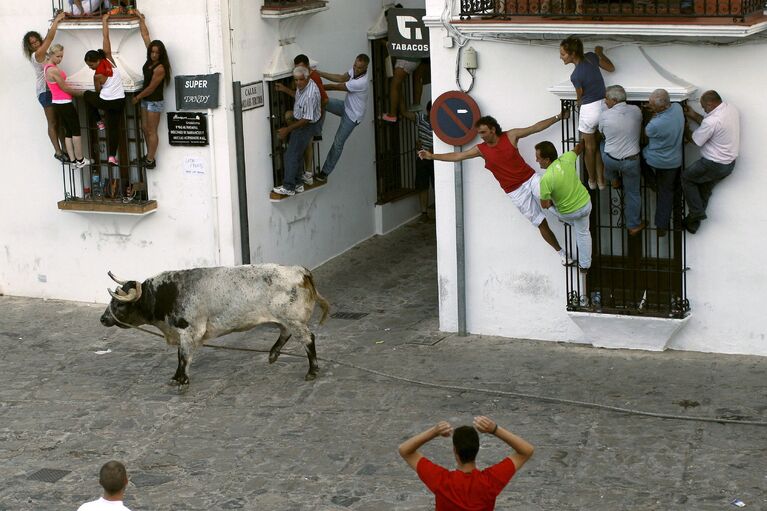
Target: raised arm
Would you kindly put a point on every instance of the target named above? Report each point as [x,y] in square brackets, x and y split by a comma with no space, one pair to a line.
[334,78]
[46,42]
[604,62]
[142,27]
[409,448]
[523,450]
[517,133]
[105,44]
[457,156]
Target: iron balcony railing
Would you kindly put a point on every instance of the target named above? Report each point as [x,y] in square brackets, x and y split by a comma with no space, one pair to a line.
[610,9]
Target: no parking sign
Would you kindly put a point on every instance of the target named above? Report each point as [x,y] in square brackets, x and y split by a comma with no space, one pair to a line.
[453,115]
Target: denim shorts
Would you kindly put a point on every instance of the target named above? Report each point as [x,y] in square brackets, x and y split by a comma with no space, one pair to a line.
[152,106]
[45,99]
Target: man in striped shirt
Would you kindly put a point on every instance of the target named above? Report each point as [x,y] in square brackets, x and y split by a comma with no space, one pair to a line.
[306,113]
[424,169]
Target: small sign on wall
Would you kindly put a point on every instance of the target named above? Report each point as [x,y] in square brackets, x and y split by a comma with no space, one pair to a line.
[196,91]
[187,128]
[252,95]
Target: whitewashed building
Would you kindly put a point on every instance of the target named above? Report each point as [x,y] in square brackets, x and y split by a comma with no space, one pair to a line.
[514,283]
[191,211]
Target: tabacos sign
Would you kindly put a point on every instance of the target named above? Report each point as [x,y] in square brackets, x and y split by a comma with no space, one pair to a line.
[408,36]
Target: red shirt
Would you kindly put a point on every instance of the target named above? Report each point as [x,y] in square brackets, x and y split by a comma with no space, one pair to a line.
[458,491]
[315,76]
[506,164]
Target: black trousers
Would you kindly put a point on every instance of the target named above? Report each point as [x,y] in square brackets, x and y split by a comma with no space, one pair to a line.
[113,109]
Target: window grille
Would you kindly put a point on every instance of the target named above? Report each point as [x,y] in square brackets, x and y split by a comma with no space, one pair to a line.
[395,142]
[126,6]
[630,275]
[101,182]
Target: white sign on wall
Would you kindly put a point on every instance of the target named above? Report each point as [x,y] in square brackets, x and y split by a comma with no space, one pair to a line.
[252,95]
[194,166]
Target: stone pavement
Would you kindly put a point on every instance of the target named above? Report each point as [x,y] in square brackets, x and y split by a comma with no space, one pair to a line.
[247,435]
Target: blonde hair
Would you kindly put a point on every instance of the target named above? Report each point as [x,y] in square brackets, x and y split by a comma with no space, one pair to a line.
[54,49]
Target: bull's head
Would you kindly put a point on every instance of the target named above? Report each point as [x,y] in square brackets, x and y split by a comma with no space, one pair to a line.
[122,308]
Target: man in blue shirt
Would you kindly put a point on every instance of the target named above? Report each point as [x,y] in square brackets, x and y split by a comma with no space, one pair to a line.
[663,153]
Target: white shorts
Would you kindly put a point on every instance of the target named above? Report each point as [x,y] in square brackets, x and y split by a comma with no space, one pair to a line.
[588,118]
[89,6]
[408,65]
[526,199]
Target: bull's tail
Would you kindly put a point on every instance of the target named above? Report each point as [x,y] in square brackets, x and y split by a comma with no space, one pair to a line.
[318,298]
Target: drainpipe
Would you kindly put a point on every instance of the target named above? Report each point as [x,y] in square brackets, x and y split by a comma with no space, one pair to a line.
[212,150]
[460,256]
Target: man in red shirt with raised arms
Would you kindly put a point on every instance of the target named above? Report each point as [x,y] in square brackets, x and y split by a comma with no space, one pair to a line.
[518,180]
[467,488]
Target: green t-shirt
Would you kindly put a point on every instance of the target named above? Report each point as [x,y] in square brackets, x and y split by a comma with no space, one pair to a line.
[561,184]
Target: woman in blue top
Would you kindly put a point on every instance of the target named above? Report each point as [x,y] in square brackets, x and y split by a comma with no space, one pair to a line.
[590,89]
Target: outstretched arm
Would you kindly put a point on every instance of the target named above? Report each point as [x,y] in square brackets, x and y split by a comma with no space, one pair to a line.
[105,44]
[604,62]
[517,133]
[409,448]
[523,450]
[334,77]
[46,42]
[457,156]
[142,27]
[53,74]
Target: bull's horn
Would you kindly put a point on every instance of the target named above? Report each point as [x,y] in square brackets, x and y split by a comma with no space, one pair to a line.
[121,297]
[112,276]
[136,290]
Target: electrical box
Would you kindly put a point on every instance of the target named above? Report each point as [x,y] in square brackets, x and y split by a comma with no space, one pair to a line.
[447,42]
[470,58]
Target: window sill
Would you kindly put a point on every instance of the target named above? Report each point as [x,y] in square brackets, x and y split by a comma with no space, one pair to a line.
[288,11]
[308,189]
[108,207]
[627,332]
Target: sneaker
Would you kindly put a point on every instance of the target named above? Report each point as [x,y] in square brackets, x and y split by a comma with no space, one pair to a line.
[592,185]
[388,118]
[321,177]
[300,188]
[308,178]
[101,126]
[83,163]
[281,190]
[584,301]
[63,158]
[565,260]
[112,161]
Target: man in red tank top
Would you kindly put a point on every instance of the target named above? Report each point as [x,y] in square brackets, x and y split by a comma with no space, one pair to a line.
[467,488]
[517,179]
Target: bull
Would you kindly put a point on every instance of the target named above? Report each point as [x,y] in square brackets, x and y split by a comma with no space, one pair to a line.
[190,306]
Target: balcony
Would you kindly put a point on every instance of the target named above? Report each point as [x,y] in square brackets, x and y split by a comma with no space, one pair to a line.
[697,18]
[287,8]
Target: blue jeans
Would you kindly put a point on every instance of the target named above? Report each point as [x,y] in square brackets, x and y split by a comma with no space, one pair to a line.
[336,106]
[629,172]
[698,181]
[294,155]
[667,182]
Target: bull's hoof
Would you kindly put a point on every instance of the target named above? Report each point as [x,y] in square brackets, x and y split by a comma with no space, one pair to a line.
[179,380]
[273,356]
[310,376]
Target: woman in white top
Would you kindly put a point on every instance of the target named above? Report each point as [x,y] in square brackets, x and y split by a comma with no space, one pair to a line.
[35,48]
[110,94]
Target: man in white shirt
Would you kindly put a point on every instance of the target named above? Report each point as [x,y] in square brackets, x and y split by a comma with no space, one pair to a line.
[719,139]
[114,479]
[621,125]
[307,112]
[351,111]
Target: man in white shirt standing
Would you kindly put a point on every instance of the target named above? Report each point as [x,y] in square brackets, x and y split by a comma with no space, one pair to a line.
[719,139]
[114,479]
[621,125]
[351,111]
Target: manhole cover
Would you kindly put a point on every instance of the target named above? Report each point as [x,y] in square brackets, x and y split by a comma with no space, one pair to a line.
[349,315]
[48,475]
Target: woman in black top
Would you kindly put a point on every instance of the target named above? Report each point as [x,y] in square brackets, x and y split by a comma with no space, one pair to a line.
[156,77]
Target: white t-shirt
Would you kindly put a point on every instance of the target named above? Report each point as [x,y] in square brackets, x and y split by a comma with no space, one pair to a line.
[719,134]
[40,85]
[356,101]
[103,504]
[113,87]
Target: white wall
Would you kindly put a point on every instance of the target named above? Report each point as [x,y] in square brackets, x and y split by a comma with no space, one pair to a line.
[515,284]
[51,253]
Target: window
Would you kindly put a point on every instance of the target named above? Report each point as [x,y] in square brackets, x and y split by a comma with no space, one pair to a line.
[279,104]
[395,142]
[104,187]
[630,275]
[98,7]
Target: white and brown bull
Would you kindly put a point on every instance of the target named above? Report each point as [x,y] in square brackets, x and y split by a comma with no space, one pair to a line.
[190,306]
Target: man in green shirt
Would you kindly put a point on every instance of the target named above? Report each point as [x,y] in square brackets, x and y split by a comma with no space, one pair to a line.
[563,194]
